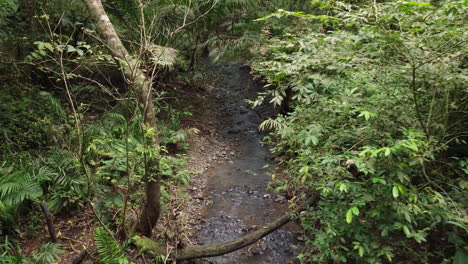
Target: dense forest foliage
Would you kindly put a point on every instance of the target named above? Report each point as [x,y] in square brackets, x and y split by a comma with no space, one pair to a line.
[372,115]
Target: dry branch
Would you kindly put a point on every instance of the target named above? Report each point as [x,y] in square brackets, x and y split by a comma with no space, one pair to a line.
[49,219]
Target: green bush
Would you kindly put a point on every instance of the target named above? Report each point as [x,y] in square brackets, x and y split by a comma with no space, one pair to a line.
[377,102]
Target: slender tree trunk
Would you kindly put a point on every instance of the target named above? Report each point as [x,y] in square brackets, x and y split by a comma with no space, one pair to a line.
[142,88]
[285,107]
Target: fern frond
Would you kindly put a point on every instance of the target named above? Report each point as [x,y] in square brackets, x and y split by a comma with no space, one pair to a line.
[47,254]
[17,187]
[116,117]
[55,104]
[108,249]
[10,253]
[163,56]
[7,188]
[44,174]
[270,124]
[180,135]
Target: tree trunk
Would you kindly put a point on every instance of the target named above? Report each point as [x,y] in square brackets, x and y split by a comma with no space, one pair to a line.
[142,88]
[193,252]
[285,107]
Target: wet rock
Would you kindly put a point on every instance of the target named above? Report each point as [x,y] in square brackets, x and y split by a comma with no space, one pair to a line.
[233,131]
[280,199]
[256,251]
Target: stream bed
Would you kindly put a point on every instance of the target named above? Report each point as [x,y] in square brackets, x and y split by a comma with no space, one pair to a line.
[237,189]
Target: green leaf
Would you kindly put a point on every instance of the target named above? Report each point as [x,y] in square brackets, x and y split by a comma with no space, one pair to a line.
[379,180]
[314,140]
[395,192]
[349,216]
[70,48]
[406,231]
[387,152]
[342,187]
[401,189]
[355,210]
[304,170]
[361,251]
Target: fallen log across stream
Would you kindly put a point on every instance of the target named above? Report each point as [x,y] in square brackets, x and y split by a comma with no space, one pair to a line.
[150,246]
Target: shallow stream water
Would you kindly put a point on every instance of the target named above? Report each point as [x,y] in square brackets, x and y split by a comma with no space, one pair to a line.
[238,189]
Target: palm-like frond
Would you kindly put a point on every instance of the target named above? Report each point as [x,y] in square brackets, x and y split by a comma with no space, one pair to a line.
[162,56]
[17,187]
[108,249]
[47,254]
[68,184]
[270,124]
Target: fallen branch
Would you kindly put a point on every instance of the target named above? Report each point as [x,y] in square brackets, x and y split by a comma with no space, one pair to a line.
[80,257]
[49,219]
[150,246]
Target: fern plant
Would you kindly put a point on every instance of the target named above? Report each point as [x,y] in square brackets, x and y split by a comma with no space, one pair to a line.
[10,253]
[18,185]
[47,254]
[25,178]
[67,185]
[108,249]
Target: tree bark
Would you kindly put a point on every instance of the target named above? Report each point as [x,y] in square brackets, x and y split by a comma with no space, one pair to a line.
[193,252]
[142,88]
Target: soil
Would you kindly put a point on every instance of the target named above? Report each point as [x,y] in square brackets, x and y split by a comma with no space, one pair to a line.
[74,230]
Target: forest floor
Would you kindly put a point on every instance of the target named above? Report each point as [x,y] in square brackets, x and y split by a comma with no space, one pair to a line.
[227,195]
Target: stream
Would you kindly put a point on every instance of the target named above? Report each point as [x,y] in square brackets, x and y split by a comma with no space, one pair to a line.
[238,188]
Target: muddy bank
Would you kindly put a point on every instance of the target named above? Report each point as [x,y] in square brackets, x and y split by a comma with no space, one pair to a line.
[236,197]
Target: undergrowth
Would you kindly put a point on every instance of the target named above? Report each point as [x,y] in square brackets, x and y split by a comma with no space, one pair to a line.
[373,98]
